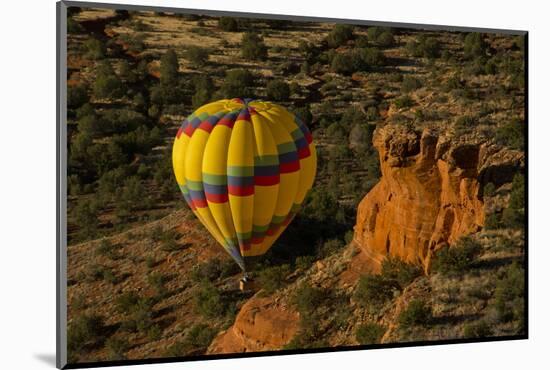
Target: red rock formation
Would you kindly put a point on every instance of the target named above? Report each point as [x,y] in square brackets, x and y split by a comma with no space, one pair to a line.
[429,194]
[261,325]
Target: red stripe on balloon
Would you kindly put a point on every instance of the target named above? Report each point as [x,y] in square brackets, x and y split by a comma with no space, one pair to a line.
[216,198]
[266,180]
[289,167]
[241,190]
[200,203]
[304,152]
[180,130]
[206,126]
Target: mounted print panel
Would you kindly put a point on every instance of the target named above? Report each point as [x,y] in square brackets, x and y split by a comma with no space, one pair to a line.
[238,185]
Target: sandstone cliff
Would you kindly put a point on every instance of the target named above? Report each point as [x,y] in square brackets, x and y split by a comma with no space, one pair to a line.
[430,193]
[259,326]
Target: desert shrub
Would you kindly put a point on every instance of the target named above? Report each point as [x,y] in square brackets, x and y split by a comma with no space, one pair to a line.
[117,347]
[418,312]
[273,278]
[474,45]
[489,190]
[370,333]
[403,273]
[464,122]
[372,57]
[207,271]
[94,49]
[330,247]
[375,290]
[492,221]
[253,47]
[237,83]
[308,298]
[458,258]
[228,24]
[404,101]
[204,89]
[157,281]
[304,114]
[339,35]
[209,301]
[107,84]
[199,337]
[424,46]
[360,136]
[278,90]
[509,294]
[85,215]
[169,67]
[74,26]
[197,56]
[175,350]
[479,329]
[410,83]
[385,39]
[304,262]
[511,134]
[514,215]
[134,42]
[125,302]
[84,330]
[77,96]
[106,248]
[346,63]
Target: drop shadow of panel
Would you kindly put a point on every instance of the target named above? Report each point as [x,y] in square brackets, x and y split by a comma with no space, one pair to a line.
[47,358]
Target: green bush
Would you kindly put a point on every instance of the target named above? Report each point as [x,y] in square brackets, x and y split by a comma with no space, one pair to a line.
[207,271]
[509,294]
[410,83]
[197,56]
[479,329]
[370,333]
[385,39]
[346,63]
[209,301]
[339,35]
[424,46]
[278,90]
[94,49]
[404,101]
[474,45]
[77,96]
[456,259]
[117,347]
[126,302]
[418,312]
[403,273]
[253,47]
[204,88]
[308,298]
[237,83]
[465,122]
[514,215]
[375,290]
[273,278]
[511,134]
[84,330]
[107,84]
[199,337]
[169,67]
[157,280]
[489,190]
[372,57]
[228,24]
[304,114]
[107,249]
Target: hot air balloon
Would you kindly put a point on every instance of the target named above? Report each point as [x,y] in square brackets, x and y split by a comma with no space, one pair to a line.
[244,167]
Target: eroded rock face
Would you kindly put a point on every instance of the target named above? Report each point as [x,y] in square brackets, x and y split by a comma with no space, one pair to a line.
[430,193]
[261,325]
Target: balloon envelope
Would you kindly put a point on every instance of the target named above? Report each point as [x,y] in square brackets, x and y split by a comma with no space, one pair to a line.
[244,167]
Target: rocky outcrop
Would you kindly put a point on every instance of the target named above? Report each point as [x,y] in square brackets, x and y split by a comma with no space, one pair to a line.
[261,325]
[430,193]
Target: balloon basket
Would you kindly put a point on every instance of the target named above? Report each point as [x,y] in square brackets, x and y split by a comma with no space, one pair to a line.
[246,285]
